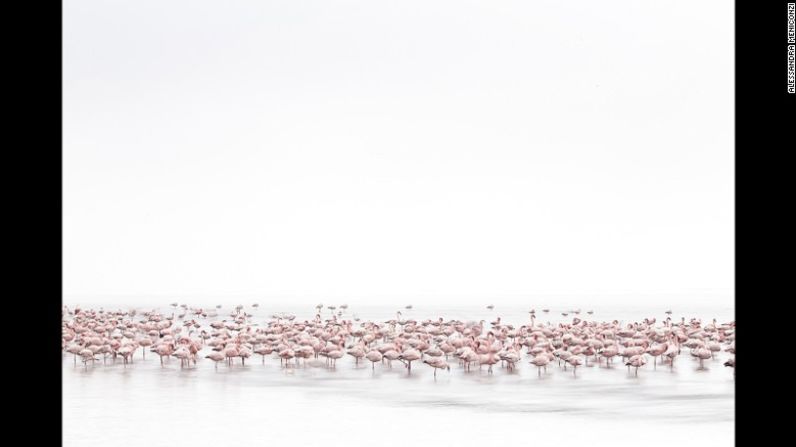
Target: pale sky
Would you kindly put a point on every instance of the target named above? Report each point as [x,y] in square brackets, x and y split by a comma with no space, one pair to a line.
[398,148]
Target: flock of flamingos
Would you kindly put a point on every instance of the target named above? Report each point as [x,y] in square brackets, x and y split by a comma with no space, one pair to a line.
[195,334]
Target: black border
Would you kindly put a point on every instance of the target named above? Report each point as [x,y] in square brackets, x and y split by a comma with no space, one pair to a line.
[35,85]
[765,126]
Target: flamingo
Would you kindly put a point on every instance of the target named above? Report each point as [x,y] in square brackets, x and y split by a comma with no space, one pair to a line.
[334,355]
[183,354]
[374,356]
[164,350]
[574,361]
[437,363]
[655,351]
[357,352]
[510,357]
[88,355]
[244,353]
[230,352]
[487,359]
[671,353]
[409,356]
[391,355]
[263,351]
[74,349]
[216,357]
[126,352]
[731,364]
[636,361]
[540,361]
[702,354]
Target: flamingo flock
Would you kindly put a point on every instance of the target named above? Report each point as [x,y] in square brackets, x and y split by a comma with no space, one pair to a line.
[197,334]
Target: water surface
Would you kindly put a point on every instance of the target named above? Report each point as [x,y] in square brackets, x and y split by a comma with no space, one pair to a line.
[152,405]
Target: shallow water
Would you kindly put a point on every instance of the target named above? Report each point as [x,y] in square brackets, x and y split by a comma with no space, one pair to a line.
[148,404]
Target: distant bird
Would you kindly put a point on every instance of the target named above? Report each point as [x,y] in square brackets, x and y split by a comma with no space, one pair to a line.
[655,351]
[575,361]
[409,306]
[511,357]
[671,353]
[409,356]
[374,356]
[244,353]
[702,354]
[216,357]
[731,364]
[488,359]
[263,351]
[334,355]
[490,307]
[636,361]
[357,352]
[184,355]
[437,363]
[390,355]
[231,352]
[608,353]
[540,361]
[287,354]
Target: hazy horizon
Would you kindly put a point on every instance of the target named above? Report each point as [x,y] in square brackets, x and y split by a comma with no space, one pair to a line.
[540,301]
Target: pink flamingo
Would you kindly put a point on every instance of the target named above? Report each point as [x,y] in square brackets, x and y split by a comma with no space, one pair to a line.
[391,355]
[357,352]
[540,361]
[183,354]
[655,351]
[164,350]
[636,361]
[244,353]
[437,363]
[702,354]
[374,356]
[126,351]
[216,357]
[230,352]
[263,351]
[575,361]
[409,356]
[487,359]
[334,355]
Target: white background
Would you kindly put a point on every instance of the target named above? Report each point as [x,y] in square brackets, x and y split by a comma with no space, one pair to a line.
[446,149]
